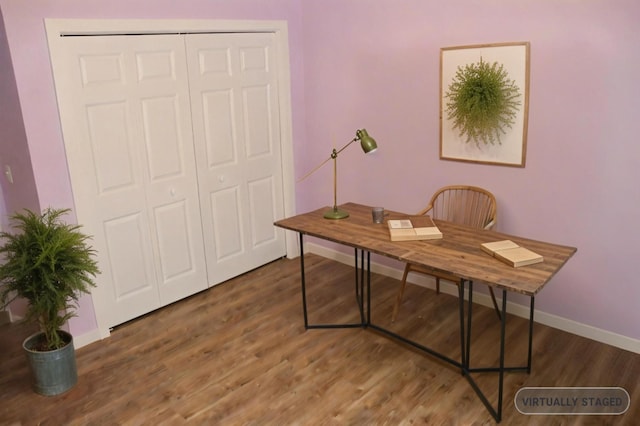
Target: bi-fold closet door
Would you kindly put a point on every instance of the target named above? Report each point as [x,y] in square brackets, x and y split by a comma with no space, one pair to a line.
[173,150]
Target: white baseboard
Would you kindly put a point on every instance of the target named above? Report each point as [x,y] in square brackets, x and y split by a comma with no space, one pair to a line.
[85,339]
[541,317]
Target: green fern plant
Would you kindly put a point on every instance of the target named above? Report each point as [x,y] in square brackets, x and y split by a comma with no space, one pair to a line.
[482,102]
[48,263]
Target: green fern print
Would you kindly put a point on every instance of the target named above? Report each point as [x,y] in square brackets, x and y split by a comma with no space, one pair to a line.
[482,102]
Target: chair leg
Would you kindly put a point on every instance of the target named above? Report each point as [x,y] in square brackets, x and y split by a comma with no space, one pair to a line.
[403,283]
[495,303]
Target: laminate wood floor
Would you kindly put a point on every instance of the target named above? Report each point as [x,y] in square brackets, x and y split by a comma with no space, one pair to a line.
[238,354]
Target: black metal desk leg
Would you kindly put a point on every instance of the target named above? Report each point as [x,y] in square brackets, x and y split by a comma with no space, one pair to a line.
[464,363]
[360,283]
[469,315]
[302,281]
[368,307]
[530,334]
[503,322]
[357,279]
[359,289]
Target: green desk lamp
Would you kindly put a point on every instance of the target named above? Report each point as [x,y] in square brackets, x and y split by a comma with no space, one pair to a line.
[368,145]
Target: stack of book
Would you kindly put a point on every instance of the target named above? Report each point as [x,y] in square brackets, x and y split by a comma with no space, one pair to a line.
[413,228]
[511,253]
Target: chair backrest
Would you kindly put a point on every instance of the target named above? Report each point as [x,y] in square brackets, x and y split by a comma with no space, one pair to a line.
[465,205]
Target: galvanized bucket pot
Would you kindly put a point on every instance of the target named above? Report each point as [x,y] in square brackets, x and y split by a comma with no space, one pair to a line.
[54,372]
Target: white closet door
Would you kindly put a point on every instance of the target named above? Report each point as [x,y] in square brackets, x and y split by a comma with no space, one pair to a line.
[234,102]
[126,119]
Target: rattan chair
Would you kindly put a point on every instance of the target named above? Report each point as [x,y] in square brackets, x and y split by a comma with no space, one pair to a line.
[461,204]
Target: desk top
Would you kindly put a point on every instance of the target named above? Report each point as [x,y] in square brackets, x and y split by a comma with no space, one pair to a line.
[458,252]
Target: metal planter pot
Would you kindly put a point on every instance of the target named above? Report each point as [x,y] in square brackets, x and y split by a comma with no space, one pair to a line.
[54,372]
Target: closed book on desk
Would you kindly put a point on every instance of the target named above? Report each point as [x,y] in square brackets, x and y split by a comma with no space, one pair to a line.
[511,253]
[413,228]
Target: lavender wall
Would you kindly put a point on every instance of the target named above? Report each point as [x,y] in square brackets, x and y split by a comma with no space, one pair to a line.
[14,152]
[376,65]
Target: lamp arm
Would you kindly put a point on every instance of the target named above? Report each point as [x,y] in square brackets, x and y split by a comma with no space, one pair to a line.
[333,156]
[344,147]
[314,170]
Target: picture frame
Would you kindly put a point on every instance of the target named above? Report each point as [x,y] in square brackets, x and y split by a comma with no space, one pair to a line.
[502,140]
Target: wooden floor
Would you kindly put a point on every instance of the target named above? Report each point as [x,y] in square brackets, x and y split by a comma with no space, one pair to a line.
[238,354]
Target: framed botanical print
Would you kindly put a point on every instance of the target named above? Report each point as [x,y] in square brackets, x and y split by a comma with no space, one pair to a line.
[484,103]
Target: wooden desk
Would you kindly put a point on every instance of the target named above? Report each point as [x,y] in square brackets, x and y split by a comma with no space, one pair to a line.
[458,253]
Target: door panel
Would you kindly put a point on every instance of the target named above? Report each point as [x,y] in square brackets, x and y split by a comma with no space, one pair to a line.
[228,229]
[218,104]
[128,264]
[261,201]
[169,161]
[162,138]
[233,84]
[172,189]
[257,121]
[109,144]
[128,102]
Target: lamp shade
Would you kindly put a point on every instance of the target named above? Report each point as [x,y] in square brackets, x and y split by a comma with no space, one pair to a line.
[367,143]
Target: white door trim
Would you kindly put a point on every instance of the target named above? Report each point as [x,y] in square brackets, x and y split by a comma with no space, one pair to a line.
[57,28]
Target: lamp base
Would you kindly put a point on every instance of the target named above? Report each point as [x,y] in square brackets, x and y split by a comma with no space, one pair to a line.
[336,213]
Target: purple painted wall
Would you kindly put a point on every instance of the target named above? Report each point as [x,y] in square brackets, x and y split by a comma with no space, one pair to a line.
[375,64]
[14,151]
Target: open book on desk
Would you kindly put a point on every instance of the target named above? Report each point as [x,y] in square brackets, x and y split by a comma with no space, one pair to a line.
[413,228]
[511,253]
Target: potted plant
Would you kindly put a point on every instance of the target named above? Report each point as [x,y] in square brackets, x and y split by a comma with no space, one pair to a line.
[48,263]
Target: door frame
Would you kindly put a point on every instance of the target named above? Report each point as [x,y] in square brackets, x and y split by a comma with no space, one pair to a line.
[56,29]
